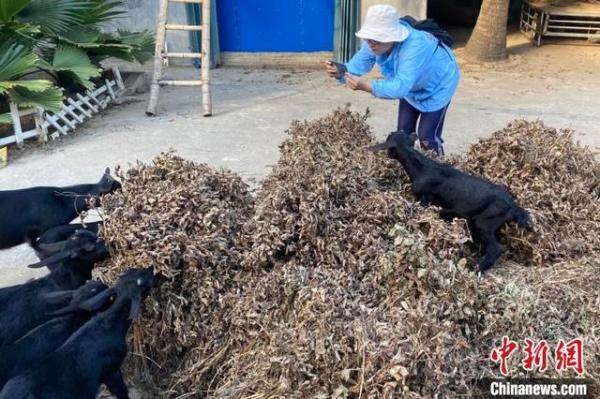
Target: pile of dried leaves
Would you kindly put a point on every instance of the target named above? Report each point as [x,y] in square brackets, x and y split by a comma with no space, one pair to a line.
[332,282]
[183,218]
[556,180]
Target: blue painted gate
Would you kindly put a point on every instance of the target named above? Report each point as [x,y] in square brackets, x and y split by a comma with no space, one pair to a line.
[276,25]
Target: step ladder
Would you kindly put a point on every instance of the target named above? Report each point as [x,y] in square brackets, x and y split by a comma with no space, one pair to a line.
[161,55]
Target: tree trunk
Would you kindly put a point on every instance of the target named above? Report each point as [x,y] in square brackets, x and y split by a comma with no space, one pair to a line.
[488,40]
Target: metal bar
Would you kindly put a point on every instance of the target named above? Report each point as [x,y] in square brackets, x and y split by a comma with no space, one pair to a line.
[205,67]
[558,34]
[580,22]
[181,83]
[158,58]
[183,27]
[586,28]
[187,1]
[183,55]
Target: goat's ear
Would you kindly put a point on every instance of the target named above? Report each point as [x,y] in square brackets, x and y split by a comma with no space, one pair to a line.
[52,247]
[136,304]
[57,296]
[107,171]
[57,257]
[381,146]
[96,302]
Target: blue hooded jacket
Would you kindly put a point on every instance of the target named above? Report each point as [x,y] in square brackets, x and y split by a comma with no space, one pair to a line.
[420,69]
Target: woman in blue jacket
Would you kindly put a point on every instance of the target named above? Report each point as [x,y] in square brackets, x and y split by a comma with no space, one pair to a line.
[417,69]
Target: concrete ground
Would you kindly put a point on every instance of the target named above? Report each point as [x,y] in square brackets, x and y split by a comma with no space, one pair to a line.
[253,108]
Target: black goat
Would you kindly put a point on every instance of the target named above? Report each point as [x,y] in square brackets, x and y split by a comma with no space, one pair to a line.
[94,354]
[486,206]
[27,213]
[23,308]
[38,343]
[53,240]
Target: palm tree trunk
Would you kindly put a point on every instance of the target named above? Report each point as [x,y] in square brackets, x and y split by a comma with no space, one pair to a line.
[488,40]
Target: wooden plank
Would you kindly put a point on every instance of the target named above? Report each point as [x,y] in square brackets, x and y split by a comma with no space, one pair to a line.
[53,120]
[16,117]
[118,78]
[87,102]
[64,118]
[109,88]
[40,125]
[183,55]
[187,1]
[70,110]
[77,104]
[93,98]
[7,140]
[205,66]
[161,35]
[181,83]
[184,27]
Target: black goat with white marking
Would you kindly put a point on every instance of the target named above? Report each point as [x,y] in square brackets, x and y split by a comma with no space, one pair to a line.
[22,307]
[27,213]
[54,239]
[94,354]
[38,343]
[486,206]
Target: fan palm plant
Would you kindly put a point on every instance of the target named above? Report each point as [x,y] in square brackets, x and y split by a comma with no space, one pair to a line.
[45,44]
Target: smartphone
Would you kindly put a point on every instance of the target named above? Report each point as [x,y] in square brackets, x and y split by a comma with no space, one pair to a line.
[341,68]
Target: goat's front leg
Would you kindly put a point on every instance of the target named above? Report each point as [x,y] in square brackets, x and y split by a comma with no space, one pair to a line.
[116,385]
[492,247]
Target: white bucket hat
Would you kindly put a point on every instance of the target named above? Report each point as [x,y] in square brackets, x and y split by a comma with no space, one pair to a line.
[382,24]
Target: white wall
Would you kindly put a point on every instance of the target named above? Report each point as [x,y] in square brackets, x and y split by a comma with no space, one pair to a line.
[143,14]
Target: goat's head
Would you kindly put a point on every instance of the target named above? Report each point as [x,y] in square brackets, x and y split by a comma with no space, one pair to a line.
[74,297]
[134,286]
[84,247]
[107,183]
[394,142]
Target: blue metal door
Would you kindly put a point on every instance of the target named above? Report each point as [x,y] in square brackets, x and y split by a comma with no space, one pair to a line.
[276,25]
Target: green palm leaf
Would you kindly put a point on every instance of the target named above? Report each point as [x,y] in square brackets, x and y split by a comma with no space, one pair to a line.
[10,8]
[31,85]
[15,60]
[49,99]
[75,62]
[54,16]
[6,118]
[99,11]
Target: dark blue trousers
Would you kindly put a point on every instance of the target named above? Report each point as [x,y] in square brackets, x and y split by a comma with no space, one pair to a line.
[430,127]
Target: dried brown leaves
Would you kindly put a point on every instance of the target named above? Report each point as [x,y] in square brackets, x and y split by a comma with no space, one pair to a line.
[334,283]
[556,180]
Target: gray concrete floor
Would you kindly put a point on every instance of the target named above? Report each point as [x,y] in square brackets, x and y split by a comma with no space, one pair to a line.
[253,108]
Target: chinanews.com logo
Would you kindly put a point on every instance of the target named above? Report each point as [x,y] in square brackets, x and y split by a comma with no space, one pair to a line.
[540,357]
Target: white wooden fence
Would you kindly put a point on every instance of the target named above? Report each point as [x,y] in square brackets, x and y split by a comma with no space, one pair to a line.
[75,111]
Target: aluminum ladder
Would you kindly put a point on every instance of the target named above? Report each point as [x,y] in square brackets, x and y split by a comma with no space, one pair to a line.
[161,55]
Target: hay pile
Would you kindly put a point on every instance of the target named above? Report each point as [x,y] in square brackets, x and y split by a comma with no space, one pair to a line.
[556,180]
[333,282]
[182,218]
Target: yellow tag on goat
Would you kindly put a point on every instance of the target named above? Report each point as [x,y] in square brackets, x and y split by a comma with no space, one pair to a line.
[3,157]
